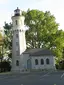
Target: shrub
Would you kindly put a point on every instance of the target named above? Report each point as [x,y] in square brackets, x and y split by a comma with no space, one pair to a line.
[5,66]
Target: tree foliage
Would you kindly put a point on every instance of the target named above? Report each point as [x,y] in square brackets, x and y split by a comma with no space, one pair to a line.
[41,27]
[43,32]
[8,39]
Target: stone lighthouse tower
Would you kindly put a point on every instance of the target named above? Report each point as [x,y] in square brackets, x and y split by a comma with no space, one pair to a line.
[18,42]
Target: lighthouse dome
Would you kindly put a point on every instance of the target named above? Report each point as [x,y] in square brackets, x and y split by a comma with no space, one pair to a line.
[17,12]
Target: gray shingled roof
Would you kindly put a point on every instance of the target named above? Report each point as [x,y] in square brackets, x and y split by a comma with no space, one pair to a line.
[38,52]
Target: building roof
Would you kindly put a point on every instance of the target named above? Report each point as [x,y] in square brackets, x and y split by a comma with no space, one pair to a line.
[39,52]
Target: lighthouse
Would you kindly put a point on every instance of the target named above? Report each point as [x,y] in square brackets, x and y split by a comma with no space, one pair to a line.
[18,40]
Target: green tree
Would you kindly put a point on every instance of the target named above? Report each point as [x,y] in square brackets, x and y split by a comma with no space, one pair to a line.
[8,39]
[59,43]
[41,27]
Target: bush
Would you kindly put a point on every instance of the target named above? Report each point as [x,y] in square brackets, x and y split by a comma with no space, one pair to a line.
[5,66]
[61,64]
[57,66]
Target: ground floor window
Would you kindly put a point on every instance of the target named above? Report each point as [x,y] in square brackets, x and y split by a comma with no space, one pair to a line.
[42,61]
[47,61]
[17,62]
[36,61]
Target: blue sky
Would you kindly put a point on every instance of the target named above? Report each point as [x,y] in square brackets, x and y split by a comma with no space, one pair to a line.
[56,7]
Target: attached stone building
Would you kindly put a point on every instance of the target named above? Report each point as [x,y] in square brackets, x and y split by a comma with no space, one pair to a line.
[39,59]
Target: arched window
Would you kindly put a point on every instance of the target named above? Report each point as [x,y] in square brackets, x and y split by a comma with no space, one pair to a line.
[47,61]
[17,63]
[36,61]
[42,61]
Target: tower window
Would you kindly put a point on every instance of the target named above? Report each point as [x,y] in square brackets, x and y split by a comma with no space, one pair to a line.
[16,35]
[17,53]
[17,43]
[36,61]
[16,22]
[17,63]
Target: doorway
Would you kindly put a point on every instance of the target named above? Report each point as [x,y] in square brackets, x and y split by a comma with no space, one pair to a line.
[28,64]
